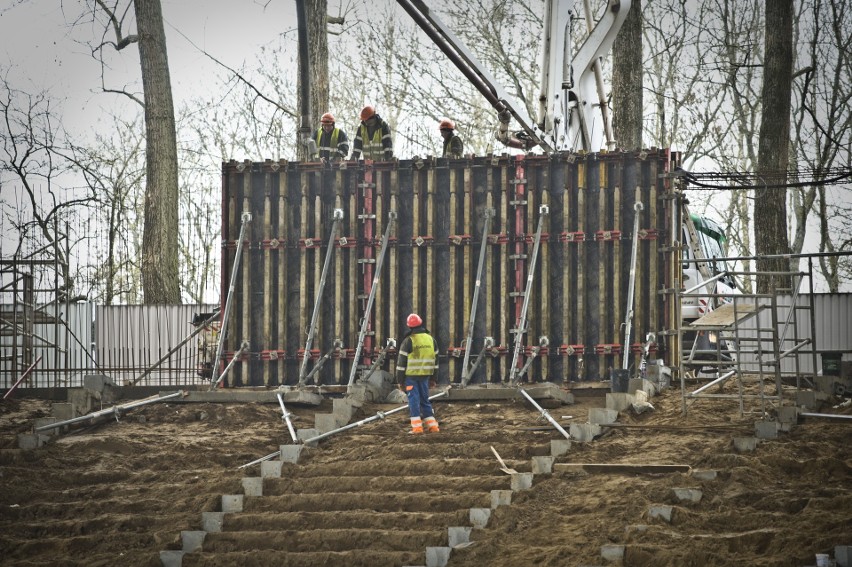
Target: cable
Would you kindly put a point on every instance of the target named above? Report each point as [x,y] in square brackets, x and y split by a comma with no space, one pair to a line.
[737,180]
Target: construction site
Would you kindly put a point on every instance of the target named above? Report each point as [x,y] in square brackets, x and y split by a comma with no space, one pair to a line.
[608,391]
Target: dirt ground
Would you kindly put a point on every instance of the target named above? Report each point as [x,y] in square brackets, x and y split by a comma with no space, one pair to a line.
[119,492]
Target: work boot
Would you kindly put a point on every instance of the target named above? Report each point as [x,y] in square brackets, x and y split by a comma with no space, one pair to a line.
[431,425]
[416,425]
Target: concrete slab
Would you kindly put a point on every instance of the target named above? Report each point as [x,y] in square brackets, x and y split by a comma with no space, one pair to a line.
[745,444]
[211,522]
[602,416]
[788,414]
[661,512]
[500,498]
[704,475]
[290,453]
[479,517]
[270,469]
[63,411]
[325,422]
[437,556]
[232,503]
[559,447]
[690,495]
[641,385]
[192,540]
[343,409]
[30,441]
[458,535]
[542,465]
[82,402]
[521,481]
[612,552]
[253,486]
[619,401]
[584,432]
[807,400]
[843,555]
[42,421]
[766,429]
[171,558]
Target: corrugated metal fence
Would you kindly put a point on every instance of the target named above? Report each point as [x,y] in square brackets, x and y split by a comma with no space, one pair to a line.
[119,341]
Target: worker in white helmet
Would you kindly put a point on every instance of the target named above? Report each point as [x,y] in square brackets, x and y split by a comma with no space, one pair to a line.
[453,145]
[416,365]
[332,143]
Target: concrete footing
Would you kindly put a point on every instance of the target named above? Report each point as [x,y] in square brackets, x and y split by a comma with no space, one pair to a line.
[522,481]
[766,429]
[602,416]
[704,474]
[661,512]
[192,540]
[584,432]
[232,503]
[843,555]
[559,447]
[500,498]
[171,558]
[542,465]
[619,401]
[458,535]
[305,434]
[252,486]
[745,444]
[479,517]
[690,495]
[270,469]
[612,552]
[211,522]
[290,453]
[437,556]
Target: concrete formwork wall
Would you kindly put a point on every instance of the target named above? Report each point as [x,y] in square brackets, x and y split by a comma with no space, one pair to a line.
[579,284]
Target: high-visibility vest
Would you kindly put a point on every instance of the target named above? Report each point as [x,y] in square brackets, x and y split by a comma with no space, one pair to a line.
[371,148]
[421,361]
[332,146]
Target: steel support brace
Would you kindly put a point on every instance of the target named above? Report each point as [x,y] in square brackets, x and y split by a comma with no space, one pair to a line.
[365,321]
[337,218]
[115,410]
[543,211]
[285,415]
[466,373]
[379,415]
[243,348]
[628,313]
[545,413]
[246,218]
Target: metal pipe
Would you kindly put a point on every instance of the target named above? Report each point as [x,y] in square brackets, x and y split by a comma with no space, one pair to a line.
[236,357]
[286,417]
[245,218]
[465,378]
[546,414]
[486,344]
[22,378]
[115,410]
[716,381]
[338,344]
[379,415]
[828,416]
[628,316]
[366,318]
[304,78]
[391,343]
[543,211]
[338,216]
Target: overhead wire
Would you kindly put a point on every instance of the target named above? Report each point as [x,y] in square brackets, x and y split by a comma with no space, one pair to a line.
[737,180]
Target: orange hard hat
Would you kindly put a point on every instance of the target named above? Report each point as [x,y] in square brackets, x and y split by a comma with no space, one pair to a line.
[327,118]
[447,124]
[414,320]
[367,112]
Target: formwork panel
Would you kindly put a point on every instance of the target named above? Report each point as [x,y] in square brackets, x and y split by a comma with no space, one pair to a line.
[577,291]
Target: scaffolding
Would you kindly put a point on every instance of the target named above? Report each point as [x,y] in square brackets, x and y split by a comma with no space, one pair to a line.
[746,338]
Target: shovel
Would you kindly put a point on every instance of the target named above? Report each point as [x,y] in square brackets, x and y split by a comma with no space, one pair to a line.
[503,466]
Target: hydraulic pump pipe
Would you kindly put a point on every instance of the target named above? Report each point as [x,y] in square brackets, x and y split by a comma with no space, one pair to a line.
[338,344]
[285,415]
[379,415]
[23,377]
[543,211]
[391,343]
[246,218]
[337,217]
[365,320]
[489,214]
[546,414]
[487,344]
[628,316]
[115,410]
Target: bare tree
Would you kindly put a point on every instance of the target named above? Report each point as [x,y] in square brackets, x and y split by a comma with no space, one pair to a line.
[770,218]
[627,74]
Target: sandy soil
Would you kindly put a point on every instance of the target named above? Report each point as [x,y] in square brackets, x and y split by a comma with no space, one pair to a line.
[120,492]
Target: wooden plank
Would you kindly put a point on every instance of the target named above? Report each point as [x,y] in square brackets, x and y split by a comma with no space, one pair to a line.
[580,293]
[431,304]
[381,224]
[643,273]
[393,275]
[567,247]
[267,273]
[303,260]
[283,276]
[354,304]
[246,267]
[491,258]
[452,328]
[418,192]
[505,299]
[337,363]
[609,468]
[604,305]
[468,268]
[725,316]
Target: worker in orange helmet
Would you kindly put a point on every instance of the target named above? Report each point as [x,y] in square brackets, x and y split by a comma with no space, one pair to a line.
[332,143]
[416,365]
[373,137]
[453,145]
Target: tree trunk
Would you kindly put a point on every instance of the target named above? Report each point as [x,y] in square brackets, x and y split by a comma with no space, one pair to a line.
[159,266]
[770,210]
[316,16]
[627,81]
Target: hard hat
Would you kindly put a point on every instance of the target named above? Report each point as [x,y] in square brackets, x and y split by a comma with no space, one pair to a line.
[367,112]
[447,124]
[413,320]
[327,118]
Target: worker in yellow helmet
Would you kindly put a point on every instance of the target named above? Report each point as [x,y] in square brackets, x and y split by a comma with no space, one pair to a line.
[332,143]
[453,145]
[373,137]
[416,365]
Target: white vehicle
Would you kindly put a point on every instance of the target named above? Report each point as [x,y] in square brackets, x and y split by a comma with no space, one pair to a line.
[707,242]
